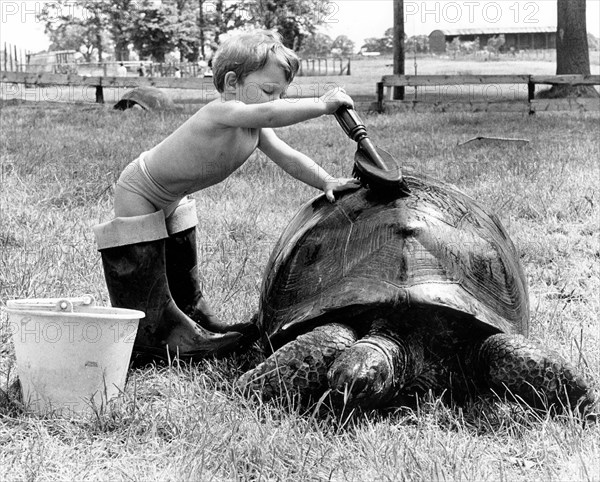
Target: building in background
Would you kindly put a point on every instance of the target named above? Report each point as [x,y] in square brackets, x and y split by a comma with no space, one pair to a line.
[516,38]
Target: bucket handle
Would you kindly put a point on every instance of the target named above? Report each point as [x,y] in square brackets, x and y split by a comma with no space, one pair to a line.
[67,304]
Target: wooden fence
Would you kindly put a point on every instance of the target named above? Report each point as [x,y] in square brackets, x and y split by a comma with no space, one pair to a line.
[98,83]
[107,69]
[205,86]
[324,66]
[12,58]
[429,95]
[500,93]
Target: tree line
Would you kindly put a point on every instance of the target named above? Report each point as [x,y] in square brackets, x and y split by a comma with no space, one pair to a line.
[154,28]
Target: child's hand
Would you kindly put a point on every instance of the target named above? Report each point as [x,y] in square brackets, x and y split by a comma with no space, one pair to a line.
[334,99]
[338,185]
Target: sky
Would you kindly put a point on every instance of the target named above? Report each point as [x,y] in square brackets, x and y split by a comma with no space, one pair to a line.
[358,19]
[363,19]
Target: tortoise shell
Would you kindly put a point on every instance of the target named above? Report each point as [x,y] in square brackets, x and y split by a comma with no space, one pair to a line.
[435,248]
[148,98]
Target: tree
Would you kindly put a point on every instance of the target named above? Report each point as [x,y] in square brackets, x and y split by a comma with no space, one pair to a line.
[95,24]
[295,20]
[344,45]
[572,50]
[187,36]
[120,24]
[159,28]
[155,30]
[384,45]
[387,41]
[317,45]
[72,37]
[68,21]
[453,48]
[418,44]
[495,44]
[189,28]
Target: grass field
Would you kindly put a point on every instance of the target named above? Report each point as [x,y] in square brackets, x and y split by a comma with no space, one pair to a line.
[189,423]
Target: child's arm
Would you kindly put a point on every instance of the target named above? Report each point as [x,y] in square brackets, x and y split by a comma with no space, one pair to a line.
[301,166]
[278,113]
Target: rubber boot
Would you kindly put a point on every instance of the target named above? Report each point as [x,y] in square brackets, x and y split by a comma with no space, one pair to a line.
[184,277]
[133,256]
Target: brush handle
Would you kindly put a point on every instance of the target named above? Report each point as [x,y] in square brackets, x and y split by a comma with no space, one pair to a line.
[371,151]
[355,129]
[351,124]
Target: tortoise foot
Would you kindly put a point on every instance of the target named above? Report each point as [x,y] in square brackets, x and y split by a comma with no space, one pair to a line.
[299,367]
[516,366]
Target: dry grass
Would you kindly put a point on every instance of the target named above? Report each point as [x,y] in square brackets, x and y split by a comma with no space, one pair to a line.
[189,423]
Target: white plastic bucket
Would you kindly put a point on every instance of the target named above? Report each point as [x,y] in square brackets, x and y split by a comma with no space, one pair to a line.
[72,356]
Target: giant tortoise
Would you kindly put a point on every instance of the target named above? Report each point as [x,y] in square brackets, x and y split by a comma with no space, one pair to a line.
[377,297]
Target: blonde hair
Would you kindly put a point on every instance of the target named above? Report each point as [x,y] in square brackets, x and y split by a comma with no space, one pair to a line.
[249,52]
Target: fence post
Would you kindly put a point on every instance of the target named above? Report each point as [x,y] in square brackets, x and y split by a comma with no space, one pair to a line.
[16,59]
[99,95]
[380,97]
[530,94]
[5,58]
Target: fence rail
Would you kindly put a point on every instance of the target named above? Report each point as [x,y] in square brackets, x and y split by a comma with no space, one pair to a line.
[98,83]
[479,101]
[522,98]
[48,79]
[107,69]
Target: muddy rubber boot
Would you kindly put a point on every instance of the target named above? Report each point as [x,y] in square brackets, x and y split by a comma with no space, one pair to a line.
[133,256]
[184,279]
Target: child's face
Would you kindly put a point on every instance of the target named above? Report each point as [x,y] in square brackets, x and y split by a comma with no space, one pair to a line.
[264,85]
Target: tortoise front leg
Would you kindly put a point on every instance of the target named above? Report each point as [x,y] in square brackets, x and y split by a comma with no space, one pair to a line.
[514,364]
[300,366]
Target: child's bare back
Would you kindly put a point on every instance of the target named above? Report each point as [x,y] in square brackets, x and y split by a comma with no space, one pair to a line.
[219,138]
[197,155]
[202,152]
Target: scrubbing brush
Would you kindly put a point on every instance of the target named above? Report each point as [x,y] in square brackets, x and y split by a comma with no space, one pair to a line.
[372,166]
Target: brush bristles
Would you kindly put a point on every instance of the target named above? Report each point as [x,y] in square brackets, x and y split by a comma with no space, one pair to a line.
[383,188]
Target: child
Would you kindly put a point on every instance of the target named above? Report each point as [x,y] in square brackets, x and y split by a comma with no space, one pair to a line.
[149,250]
